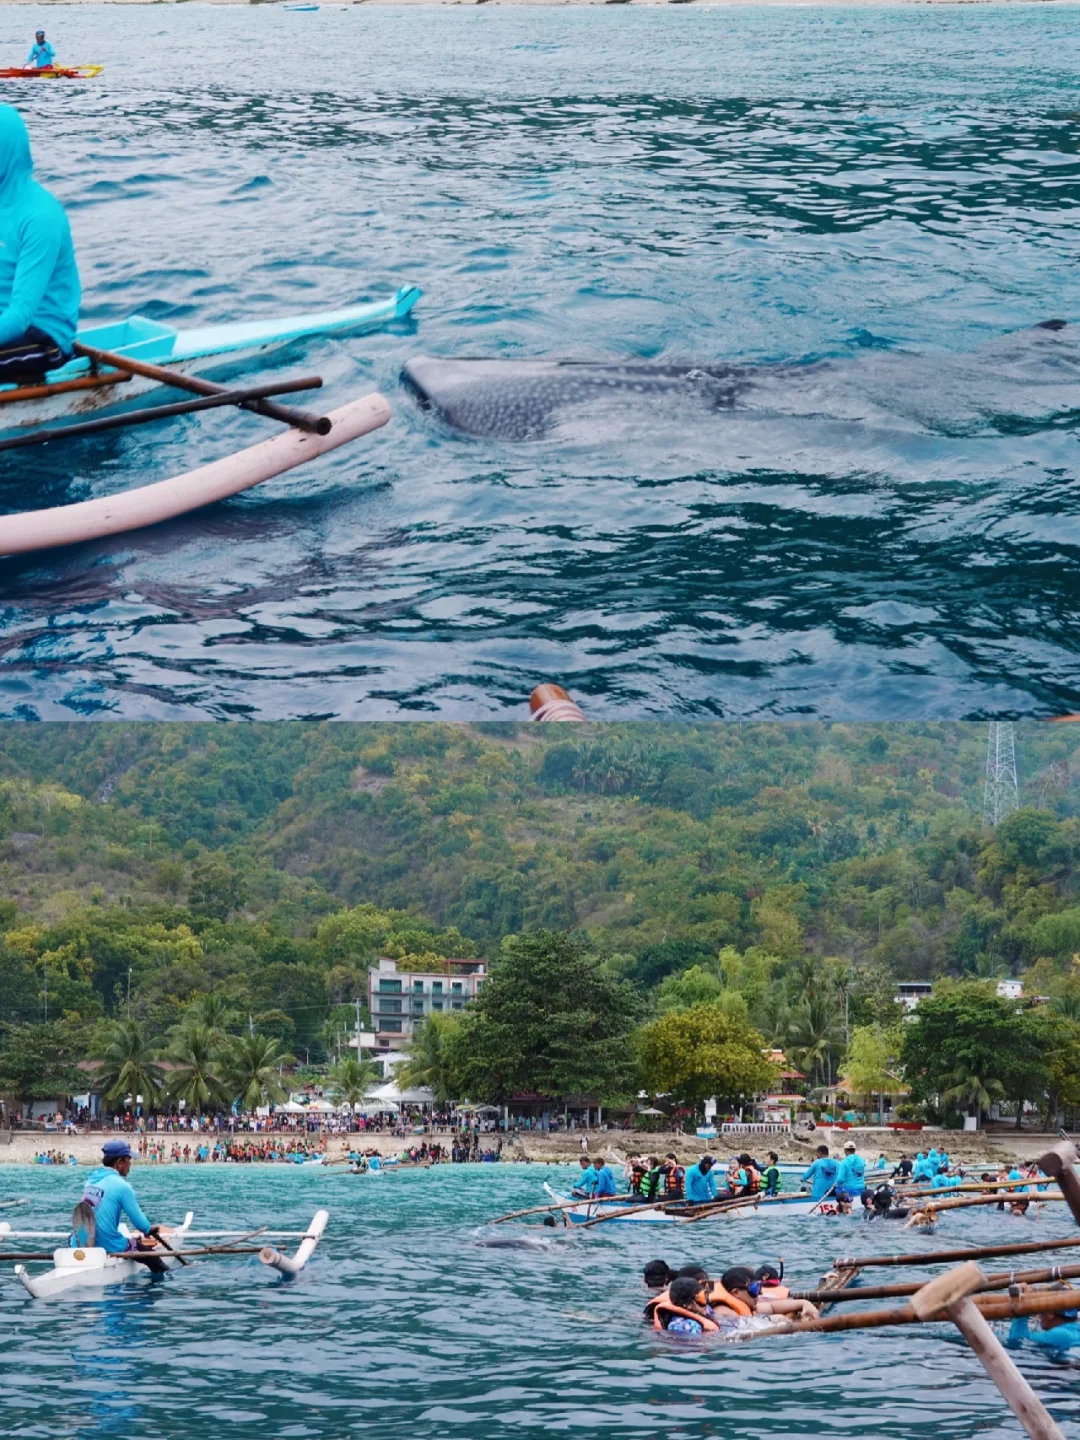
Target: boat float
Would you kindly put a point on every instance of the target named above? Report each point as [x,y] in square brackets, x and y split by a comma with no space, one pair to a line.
[92,1268]
[52,72]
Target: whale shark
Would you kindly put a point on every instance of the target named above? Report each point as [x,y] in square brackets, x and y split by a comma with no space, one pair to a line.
[1032,373]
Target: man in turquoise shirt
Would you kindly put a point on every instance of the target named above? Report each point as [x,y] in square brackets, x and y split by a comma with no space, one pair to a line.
[851,1177]
[701,1182]
[586,1181]
[109,1196]
[822,1174]
[605,1181]
[39,280]
[42,55]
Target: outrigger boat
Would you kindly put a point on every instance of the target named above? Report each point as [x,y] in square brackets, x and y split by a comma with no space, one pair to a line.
[91,1268]
[51,72]
[593,1209]
[138,354]
[83,387]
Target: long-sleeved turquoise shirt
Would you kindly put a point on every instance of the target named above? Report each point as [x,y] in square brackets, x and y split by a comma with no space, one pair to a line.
[700,1184]
[822,1175]
[605,1181]
[1061,1337]
[852,1175]
[41,56]
[39,280]
[111,1197]
[585,1183]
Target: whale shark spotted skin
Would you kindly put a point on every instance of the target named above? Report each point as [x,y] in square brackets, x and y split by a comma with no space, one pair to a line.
[520,399]
[1025,377]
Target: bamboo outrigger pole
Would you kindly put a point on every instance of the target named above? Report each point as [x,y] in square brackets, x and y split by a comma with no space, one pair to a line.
[943,1257]
[1001,1280]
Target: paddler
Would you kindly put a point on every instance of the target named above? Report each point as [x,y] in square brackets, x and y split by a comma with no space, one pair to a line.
[586,1181]
[109,1196]
[851,1177]
[605,1181]
[42,55]
[39,280]
[822,1174]
[701,1182]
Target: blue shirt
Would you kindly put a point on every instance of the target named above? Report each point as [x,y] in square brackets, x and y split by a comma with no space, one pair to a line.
[1015,1174]
[42,56]
[605,1181]
[111,1196]
[923,1170]
[39,280]
[586,1181]
[852,1175]
[700,1184]
[822,1175]
[1061,1337]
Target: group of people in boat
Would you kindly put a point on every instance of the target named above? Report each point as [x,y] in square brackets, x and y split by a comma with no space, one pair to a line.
[689,1301]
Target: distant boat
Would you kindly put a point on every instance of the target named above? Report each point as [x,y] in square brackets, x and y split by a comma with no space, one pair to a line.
[76,72]
[301,7]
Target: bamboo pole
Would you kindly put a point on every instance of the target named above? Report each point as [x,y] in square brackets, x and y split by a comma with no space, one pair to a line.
[993,1307]
[953,1292]
[942,1257]
[968,1200]
[557,1205]
[998,1281]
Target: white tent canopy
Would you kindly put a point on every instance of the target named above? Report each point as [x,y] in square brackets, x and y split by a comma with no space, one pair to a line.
[420,1095]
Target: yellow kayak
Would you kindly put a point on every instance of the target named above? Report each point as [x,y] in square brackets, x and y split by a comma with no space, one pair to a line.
[53,72]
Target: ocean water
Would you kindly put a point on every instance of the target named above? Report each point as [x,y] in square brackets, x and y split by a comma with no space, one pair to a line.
[407,1323]
[881,202]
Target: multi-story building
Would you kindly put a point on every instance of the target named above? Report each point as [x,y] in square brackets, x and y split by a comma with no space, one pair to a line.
[400,999]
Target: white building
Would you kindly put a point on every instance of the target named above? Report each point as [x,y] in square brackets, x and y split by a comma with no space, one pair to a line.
[910,992]
[399,1000]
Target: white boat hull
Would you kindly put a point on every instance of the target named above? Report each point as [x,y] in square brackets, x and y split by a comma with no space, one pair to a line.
[92,1268]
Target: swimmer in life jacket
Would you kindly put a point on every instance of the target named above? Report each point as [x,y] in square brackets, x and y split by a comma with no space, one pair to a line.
[772,1281]
[741,1285]
[674,1177]
[720,1304]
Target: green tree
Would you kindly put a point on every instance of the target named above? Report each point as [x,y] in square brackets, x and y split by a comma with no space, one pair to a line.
[694,1054]
[196,1078]
[250,1070]
[869,1065]
[352,1078]
[216,890]
[548,1020]
[970,1090]
[432,1061]
[40,1061]
[127,1063]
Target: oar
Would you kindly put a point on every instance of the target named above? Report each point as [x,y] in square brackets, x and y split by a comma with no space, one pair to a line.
[553,1205]
[162,1241]
[943,1257]
[301,419]
[161,412]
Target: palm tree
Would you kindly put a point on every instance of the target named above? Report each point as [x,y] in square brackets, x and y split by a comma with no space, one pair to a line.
[813,1033]
[1068,1005]
[213,1011]
[127,1063]
[196,1078]
[251,1066]
[351,1079]
[429,1061]
[970,1089]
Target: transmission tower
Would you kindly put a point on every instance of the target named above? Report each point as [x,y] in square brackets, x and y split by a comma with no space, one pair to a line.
[1000,797]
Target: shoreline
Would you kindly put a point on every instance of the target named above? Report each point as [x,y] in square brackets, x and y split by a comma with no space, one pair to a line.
[18,1148]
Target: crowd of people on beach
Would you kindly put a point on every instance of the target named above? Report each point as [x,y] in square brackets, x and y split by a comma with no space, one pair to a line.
[54,1157]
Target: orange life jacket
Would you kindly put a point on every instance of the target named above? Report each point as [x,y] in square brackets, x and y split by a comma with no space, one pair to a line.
[773,1290]
[753,1178]
[719,1296]
[675,1181]
[662,1305]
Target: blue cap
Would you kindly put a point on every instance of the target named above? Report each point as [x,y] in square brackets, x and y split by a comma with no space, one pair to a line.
[116,1150]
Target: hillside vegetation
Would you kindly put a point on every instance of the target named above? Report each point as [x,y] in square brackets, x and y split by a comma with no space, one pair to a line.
[789,873]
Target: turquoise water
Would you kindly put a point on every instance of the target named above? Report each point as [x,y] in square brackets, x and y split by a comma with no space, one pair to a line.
[406,1324]
[893,190]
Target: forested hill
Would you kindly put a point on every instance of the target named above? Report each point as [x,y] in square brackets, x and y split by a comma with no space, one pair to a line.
[665,843]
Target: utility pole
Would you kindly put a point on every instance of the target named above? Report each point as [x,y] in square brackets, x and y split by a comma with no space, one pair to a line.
[45,972]
[1000,797]
[129,990]
[358,1027]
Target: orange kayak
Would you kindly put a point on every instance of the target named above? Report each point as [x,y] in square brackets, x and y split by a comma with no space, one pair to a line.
[53,72]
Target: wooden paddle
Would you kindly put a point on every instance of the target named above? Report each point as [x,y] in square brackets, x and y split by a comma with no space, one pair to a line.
[952,1293]
[300,419]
